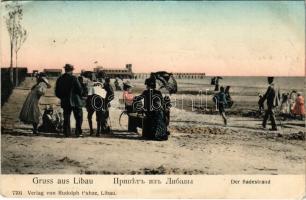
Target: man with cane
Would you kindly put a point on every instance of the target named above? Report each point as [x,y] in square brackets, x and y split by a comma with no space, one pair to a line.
[271,98]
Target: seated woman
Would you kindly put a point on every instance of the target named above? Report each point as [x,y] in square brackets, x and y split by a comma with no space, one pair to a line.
[52,121]
[154,125]
[128,98]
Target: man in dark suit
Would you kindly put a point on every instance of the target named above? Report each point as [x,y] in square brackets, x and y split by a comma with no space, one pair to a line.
[270,96]
[69,90]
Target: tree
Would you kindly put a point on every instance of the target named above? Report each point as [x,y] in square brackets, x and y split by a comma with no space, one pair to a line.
[17,33]
[21,37]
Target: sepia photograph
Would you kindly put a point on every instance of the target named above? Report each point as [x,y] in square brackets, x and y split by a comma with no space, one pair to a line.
[152,88]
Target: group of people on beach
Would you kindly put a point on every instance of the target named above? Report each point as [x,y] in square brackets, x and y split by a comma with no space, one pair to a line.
[272,97]
[285,104]
[75,93]
[292,105]
[156,110]
[149,111]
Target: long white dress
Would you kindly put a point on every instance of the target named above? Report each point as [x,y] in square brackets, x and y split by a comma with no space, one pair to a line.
[30,112]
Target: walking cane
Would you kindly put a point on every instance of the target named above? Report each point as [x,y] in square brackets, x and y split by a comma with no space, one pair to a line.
[278,110]
[110,123]
[277,118]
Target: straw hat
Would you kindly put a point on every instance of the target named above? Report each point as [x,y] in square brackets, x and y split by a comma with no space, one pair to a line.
[44,79]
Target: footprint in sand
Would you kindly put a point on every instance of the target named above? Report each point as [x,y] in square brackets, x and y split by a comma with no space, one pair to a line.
[67,160]
[265,169]
[27,165]
[104,143]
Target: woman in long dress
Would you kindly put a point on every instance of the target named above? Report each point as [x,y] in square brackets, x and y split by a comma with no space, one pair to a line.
[154,126]
[30,112]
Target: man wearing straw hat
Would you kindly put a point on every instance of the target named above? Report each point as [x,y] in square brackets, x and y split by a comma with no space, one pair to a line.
[69,90]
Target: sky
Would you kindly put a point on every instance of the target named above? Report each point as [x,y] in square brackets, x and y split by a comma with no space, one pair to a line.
[242,38]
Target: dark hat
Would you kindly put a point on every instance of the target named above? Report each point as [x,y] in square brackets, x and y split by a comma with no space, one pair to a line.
[270,79]
[150,82]
[69,67]
[127,84]
[107,79]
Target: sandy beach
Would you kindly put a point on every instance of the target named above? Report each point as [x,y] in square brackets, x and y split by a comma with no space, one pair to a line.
[199,142]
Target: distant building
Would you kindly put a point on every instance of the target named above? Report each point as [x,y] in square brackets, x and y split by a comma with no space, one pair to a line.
[179,75]
[34,73]
[53,72]
[116,72]
[141,75]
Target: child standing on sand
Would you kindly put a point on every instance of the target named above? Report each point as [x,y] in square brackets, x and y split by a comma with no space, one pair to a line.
[261,106]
